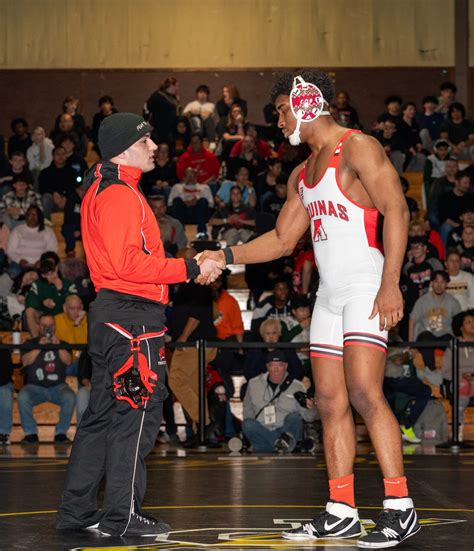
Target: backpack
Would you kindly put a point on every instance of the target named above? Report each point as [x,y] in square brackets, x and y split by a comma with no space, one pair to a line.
[433,422]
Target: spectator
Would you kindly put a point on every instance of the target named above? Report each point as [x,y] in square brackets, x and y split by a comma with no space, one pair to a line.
[199,159]
[106,108]
[434,246]
[465,247]
[248,157]
[56,182]
[429,122]
[71,326]
[231,130]
[71,106]
[16,297]
[270,333]
[453,203]
[467,219]
[461,283]
[401,384]
[295,328]
[17,169]
[191,202]
[163,109]
[71,228]
[47,295]
[390,140]
[75,161]
[246,187]
[230,96]
[236,220]
[172,231]
[201,113]
[438,188]
[411,203]
[274,202]
[346,114]
[76,270]
[459,131]
[273,418]
[160,180]
[264,151]
[29,241]
[180,137]
[14,204]
[430,320]
[277,306]
[463,327]
[420,268]
[40,153]
[447,95]
[45,372]
[410,137]
[6,397]
[21,139]
[267,180]
[65,127]
[393,106]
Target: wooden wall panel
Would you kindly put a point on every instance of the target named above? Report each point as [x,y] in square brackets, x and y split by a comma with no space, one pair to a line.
[203,34]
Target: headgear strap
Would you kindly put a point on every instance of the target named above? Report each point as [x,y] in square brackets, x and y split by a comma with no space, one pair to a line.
[307,104]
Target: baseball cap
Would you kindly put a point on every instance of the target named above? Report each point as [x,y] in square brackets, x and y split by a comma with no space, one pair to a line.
[276,356]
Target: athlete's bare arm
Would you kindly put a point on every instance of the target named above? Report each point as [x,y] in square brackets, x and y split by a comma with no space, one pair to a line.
[291,224]
[366,157]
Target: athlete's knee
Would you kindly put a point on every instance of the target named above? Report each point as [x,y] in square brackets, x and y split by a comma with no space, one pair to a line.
[331,403]
[366,400]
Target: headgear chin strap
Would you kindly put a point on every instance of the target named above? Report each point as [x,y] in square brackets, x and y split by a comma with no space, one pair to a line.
[307,104]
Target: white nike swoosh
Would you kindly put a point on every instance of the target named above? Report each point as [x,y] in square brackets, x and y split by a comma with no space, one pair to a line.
[388,482]
[343,486]
[331,526]
[405,524]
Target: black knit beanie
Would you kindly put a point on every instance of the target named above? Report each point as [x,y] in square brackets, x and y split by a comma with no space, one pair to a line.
[119,131]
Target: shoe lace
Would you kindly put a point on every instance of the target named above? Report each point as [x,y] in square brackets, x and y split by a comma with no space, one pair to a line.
[386,521]
[317,522]
[142,518]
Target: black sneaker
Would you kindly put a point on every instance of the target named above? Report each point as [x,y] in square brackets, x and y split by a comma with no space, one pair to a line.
[337,521]
[30,439]
[285,444]
[142,525]
[5,440]
[393,526]
[61,439]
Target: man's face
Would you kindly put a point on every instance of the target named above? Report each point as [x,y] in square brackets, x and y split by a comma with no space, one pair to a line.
[20,188]
[140,154]
[453,264]
[32,218]
[20,129]
[448,96]
[418,250]
[463,184]
[468,234]
[341,100]
[68,146]
[286,119]
[190,176]
[415,230]
[17,163]
[275,169]
[389,129]
[163,150]
[73,308]
[394,108]
[456,115]
[159,208]
[59,157]
[281,292]
[467,328]
[249,144]
[302,313]
[106,107]
[450,168]
[442,151]
[66,122]
[242,176]
[46,325]
[201,96]
[429,106]
[236,196]
[438,285]
[276,371]
[409,111]
[196,144]
[270,334]
[281,191]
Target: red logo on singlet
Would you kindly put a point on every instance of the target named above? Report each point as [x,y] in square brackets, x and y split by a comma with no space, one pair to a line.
[318,231]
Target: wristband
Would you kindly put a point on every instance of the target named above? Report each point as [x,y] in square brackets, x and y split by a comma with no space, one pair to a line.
[229,255]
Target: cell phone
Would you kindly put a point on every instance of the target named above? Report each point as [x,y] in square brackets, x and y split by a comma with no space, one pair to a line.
[48,332]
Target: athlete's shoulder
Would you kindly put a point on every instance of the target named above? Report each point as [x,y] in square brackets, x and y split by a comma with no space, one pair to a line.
[358,141]
[295,175]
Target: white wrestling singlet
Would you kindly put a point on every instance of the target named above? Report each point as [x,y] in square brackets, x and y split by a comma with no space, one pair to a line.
[344,236]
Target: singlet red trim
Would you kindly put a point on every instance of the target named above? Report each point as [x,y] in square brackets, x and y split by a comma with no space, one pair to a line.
[338,145]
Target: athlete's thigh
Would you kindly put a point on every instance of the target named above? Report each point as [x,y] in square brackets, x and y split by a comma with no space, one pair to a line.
[326,351]
[365,345]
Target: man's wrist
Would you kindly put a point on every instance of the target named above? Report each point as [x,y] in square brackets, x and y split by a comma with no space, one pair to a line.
[228,255]
[192,268]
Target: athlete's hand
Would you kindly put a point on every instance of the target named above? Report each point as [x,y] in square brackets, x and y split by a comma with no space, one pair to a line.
[388,304]
[211,267]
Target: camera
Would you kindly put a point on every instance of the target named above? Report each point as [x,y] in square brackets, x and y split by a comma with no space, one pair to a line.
[48,332]
[301,397]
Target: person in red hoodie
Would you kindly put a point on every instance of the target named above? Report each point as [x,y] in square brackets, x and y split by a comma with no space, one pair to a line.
[203,161]
[131,275]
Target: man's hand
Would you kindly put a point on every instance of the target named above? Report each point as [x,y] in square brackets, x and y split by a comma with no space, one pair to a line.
[210,270]
[388,304]
[49,303]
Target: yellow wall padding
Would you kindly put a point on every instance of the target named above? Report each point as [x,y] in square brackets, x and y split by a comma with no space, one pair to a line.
[201,34]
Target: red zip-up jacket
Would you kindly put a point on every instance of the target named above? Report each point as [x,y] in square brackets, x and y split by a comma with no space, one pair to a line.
[121,237]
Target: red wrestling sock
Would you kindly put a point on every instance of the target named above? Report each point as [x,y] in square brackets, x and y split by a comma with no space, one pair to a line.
[342,490]
[395,487]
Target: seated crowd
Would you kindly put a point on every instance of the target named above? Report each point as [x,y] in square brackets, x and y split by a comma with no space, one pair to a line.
[216,169]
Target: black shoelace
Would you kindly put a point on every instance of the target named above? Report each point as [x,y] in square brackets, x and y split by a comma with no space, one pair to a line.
[387,519]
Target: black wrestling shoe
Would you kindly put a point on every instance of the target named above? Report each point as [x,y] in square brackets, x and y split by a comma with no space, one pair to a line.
[393,526]
[142,525]
[337,521]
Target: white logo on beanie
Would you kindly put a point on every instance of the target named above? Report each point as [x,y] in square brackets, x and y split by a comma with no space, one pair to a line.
[141,125]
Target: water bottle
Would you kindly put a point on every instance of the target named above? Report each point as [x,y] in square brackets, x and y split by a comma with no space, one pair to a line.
[16,332]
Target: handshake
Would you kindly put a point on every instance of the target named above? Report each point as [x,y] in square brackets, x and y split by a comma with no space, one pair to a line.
[211,263]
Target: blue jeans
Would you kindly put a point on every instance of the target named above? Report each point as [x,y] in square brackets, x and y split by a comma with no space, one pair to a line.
[444,231]
[6,408]
[263,439]
[82,401]
[197,214]
[33,395]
